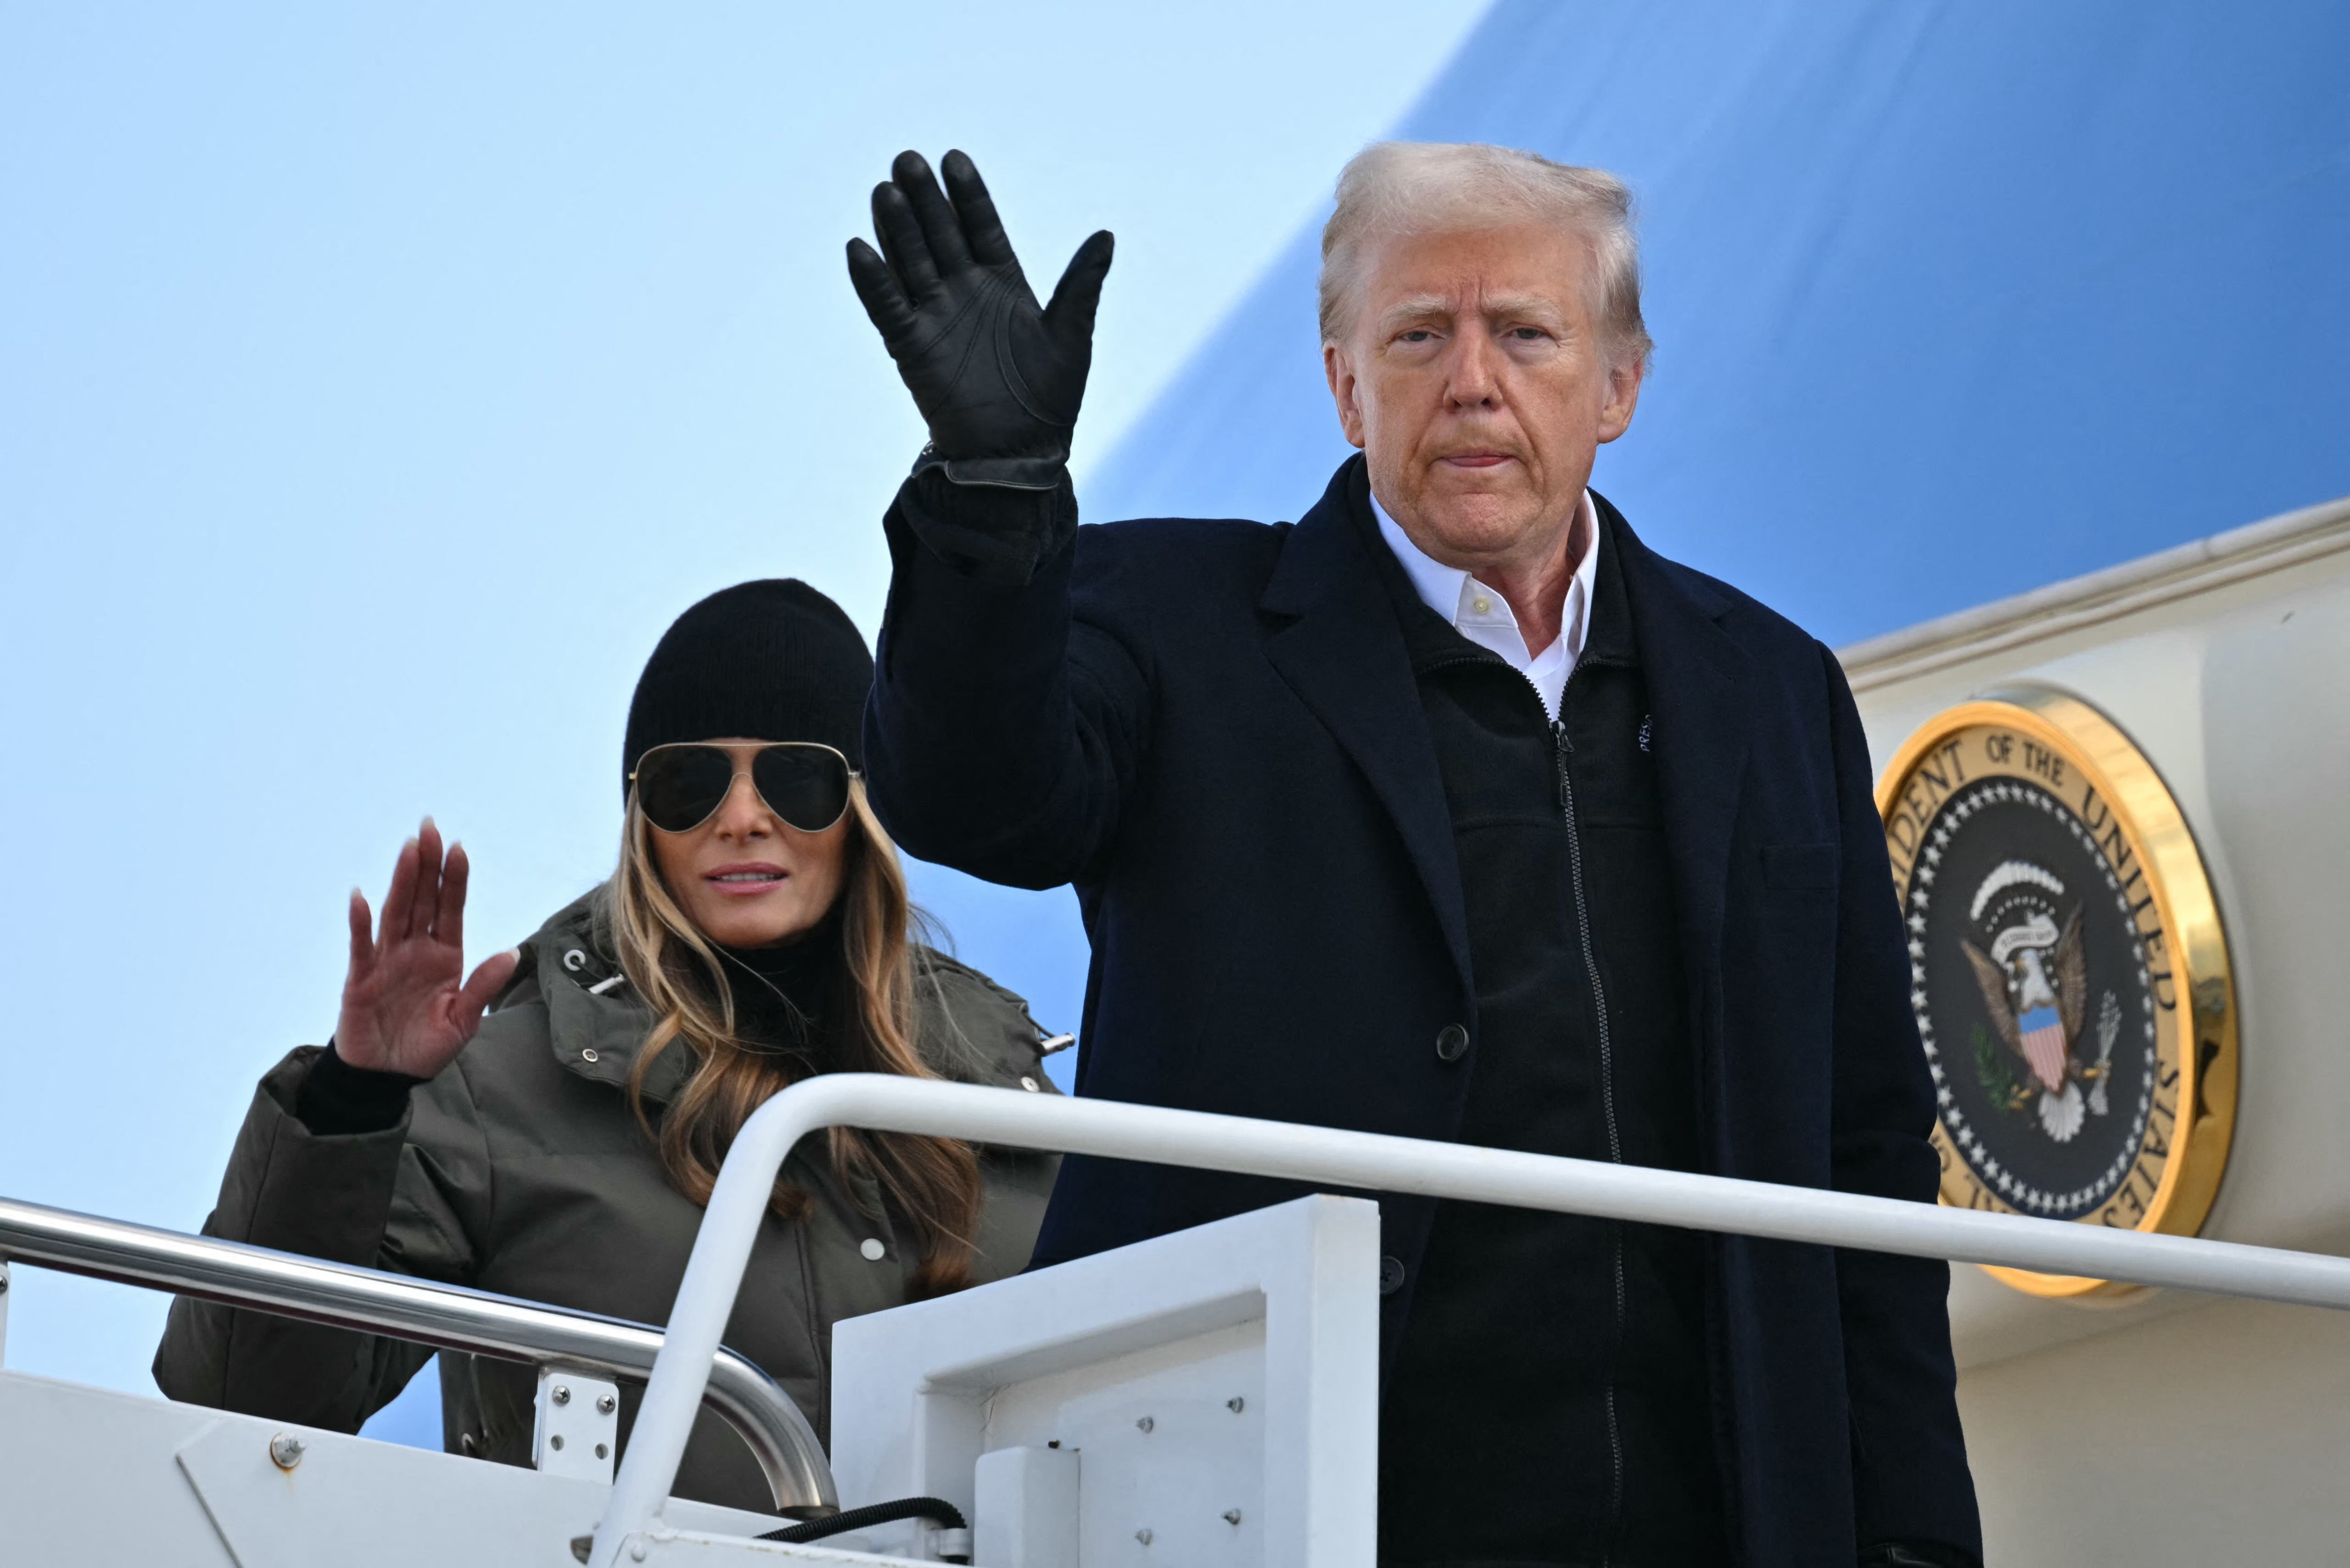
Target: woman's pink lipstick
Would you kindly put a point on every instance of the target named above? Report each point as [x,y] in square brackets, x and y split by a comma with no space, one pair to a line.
[746,878]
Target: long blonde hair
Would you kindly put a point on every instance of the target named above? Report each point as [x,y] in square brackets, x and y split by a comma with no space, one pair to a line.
[933,1183]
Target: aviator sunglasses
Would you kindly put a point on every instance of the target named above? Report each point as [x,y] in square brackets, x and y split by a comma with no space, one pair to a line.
[804,783]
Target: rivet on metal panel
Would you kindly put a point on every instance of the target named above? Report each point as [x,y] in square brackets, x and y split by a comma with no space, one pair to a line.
[1231,1516]
[606,1404]
[1143,1536]
[562,1395]
[1236,1404]
[285,1450]
[1146,1424]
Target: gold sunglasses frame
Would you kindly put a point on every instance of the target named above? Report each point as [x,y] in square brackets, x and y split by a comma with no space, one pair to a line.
[756,749]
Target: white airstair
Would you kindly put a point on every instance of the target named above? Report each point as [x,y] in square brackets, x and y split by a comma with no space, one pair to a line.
[1208,1397]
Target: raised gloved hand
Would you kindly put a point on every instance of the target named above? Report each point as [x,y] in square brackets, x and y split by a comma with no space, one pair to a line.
[998,380]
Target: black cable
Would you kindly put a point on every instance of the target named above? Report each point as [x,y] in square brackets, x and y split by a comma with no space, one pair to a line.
[938,1511]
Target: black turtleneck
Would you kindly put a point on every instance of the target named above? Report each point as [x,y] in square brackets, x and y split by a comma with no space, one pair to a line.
[788,999]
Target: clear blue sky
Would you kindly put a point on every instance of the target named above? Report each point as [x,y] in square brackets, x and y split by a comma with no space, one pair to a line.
[376,382]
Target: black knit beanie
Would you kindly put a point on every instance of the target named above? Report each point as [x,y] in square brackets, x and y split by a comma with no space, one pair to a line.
[770,661]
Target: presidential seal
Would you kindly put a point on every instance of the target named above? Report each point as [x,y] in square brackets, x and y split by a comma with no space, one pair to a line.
[2068,970]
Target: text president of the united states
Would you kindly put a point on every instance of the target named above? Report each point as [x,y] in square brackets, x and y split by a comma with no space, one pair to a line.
[1451,810]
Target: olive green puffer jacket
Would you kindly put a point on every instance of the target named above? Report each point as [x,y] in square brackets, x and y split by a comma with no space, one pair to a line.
[521,1169]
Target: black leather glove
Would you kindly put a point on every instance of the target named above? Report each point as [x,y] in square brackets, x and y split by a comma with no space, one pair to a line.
[998,380]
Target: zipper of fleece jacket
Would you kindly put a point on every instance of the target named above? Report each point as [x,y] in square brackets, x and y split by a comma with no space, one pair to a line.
[1561,749]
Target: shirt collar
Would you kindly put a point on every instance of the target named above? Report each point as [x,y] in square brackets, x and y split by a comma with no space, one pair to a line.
[1455,595]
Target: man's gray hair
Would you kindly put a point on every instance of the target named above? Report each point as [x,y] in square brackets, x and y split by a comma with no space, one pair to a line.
[1437,187]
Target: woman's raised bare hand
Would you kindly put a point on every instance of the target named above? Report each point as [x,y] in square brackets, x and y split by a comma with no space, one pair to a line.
[403,1009]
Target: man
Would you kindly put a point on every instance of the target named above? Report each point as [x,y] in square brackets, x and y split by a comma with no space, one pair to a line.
[1452,811]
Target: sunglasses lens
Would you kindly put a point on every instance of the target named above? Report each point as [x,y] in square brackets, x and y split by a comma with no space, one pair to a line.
[807,786]
[677,786]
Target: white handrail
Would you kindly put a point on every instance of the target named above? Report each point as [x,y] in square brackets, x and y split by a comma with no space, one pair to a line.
[425,1312]
[1370,1162]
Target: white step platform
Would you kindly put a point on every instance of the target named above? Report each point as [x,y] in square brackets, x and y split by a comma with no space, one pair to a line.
[93,1478]
[1205,1398]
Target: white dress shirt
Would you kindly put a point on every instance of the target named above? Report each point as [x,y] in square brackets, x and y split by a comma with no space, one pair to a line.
[1482,616]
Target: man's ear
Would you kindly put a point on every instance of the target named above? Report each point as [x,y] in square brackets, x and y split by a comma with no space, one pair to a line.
[1623,397]
[1339,369]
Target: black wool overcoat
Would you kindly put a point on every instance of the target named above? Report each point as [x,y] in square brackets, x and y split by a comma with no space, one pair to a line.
[1212,730]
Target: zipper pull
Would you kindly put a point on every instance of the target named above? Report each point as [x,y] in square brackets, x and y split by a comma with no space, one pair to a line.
[1560,748]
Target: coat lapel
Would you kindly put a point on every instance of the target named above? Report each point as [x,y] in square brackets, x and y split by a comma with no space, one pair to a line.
[1697,676]
[1343,653]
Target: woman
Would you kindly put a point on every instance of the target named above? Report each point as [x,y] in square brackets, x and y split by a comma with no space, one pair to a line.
[756,931]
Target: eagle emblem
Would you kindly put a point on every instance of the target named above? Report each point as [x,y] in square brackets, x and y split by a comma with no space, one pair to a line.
[2035,981]
[2066,1028]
